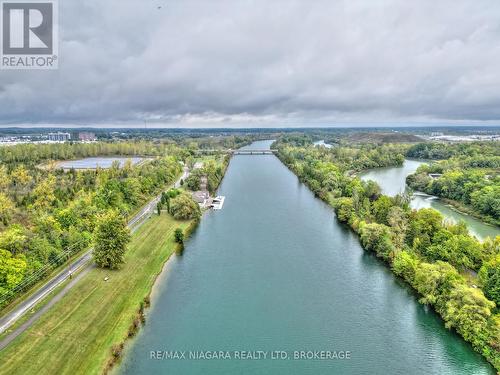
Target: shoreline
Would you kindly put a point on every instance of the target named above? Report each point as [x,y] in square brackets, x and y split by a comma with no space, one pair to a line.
[490,361]
[154,290]
[114,361]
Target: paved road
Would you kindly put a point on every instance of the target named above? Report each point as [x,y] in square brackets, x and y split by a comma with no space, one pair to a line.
[23,327]
[82,263]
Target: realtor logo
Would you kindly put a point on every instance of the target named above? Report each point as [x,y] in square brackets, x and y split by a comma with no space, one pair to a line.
[29,34]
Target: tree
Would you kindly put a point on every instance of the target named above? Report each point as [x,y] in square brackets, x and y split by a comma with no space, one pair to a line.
[405,265]
[44,193]
[13,239]
[434,281]
[489,276]
[371,190]
[4,178]
[345,209]
[381,209]
[193,182]
[179,236]
[21,177]
[111,237]
[6,208]
[377,237]
[183,207]
[459,250]
[398,221]
[424,224]
[11,270]
[468,310]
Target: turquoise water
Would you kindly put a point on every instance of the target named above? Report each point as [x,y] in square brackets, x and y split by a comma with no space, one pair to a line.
[274,271]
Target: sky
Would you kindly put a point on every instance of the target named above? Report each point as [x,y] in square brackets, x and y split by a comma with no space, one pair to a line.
[264,63]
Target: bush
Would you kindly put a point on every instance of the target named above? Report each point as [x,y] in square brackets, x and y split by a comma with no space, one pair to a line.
[179,236]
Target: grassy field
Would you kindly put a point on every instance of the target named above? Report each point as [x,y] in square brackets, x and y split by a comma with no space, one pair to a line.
[76,335]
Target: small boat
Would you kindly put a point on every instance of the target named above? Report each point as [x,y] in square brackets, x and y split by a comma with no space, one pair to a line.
[218,202]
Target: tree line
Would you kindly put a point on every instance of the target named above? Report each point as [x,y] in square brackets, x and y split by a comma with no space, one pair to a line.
[470,176]
[48,214]
[434,257]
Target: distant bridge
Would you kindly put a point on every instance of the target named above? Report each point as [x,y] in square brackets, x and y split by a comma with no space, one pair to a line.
[240,152]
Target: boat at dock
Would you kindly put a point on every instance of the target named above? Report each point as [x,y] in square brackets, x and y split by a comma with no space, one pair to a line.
[218,202]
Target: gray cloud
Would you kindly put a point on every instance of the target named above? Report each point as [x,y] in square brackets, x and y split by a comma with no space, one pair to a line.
[193,62]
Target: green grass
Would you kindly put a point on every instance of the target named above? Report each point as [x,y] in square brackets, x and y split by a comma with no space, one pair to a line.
[76,335]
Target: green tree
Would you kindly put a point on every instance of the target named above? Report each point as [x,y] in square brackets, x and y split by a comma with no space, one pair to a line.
[183,207]
[489,276]
[398,221]
[14,239]
[111,237]
[371,190]
[194,180]
[424,224]
[345,209]
[377,237]
[459,250]
[4,178]
[179,236]
[20,177]
[405,265]
[6,208]
[468,310]
[43,194]
[381,208]
[11,270]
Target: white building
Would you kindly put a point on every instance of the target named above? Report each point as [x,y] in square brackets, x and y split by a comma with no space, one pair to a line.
[59,137]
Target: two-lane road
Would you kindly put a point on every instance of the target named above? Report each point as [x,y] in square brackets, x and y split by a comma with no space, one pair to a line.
[77,265]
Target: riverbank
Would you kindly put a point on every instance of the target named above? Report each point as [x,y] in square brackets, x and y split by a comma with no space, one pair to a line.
[467,210]
[76,335]
[461,306]
[392,181]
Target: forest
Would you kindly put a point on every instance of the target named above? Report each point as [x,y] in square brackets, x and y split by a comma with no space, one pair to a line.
[437,259]
[47,215]
[468,177]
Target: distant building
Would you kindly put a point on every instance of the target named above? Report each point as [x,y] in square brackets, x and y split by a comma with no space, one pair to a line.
[59,137]
[86,136]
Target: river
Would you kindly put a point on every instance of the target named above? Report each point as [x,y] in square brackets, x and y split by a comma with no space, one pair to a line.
[274,270]
[392,181]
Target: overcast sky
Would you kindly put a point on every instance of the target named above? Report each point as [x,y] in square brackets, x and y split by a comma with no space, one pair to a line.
[270,62]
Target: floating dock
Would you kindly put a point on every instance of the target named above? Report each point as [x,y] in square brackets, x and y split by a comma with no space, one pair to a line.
[218,202]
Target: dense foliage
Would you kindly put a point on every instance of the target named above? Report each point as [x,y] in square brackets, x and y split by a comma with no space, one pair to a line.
[434,257]
[439,150]
[470,178]
[47,215]
[213,170]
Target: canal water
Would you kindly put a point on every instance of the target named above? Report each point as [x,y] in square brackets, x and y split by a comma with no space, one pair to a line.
[274,271]
[392,181]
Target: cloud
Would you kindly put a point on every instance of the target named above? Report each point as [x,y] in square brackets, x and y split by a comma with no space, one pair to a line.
[275,61]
